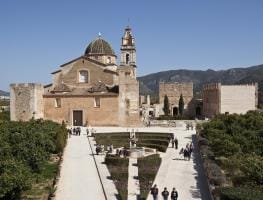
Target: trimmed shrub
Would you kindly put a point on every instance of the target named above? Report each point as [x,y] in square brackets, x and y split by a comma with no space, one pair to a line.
[118,168]
[241,193]
[148,168]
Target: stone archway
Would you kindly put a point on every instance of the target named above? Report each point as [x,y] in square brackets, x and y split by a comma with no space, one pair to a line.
[175,111]
[198,111]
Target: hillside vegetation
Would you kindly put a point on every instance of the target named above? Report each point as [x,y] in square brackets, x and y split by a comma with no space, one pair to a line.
[149,84]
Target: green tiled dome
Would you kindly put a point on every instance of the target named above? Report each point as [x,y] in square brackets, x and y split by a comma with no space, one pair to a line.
[99,46]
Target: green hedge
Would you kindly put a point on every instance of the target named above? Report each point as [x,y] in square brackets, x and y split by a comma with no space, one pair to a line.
[118,168]
[147,170]
[116,139]
[241,193]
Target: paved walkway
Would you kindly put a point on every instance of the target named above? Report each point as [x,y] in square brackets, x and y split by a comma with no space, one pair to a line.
[79,178]
[186,176]
[108,184]
[133,181]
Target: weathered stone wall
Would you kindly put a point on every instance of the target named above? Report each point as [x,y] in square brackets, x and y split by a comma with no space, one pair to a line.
[70,74]
[105,115]
[238,98]
[129,114]
[173,92]
[211,100]
[26,101]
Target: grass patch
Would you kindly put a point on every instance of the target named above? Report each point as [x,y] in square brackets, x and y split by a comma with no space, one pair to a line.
[148,168]
[118,168]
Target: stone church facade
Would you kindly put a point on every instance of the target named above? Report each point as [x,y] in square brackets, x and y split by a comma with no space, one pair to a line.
[89,90]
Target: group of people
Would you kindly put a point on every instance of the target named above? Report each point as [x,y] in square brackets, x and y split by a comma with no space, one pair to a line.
[122,152]
[187,151]
[189,126]
[100,148]
[74,131]
[165,193]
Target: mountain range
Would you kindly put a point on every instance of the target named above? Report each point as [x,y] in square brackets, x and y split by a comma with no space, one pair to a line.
[3,93]
[149,84]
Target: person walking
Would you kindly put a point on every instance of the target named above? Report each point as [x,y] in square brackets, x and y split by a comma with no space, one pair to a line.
[176,143]
[174,194]
[172,143]
[154,192]
[165,194]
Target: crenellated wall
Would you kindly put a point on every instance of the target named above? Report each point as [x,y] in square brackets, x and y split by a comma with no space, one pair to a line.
[173,92]
[238,98]
[211,99]
[229,99]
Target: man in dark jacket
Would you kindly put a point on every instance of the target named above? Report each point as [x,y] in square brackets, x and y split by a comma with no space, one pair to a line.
[165,194]
[174,194]
[154,192]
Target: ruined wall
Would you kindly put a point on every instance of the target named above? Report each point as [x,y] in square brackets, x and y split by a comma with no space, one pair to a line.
[238,98]
[128,98]
[26,101]
[211,100]
[173,92]
[105,115]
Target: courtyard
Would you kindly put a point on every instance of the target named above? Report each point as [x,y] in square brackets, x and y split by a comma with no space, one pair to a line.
[86,175]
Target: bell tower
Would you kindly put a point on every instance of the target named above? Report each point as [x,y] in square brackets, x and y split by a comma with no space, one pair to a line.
[128,50]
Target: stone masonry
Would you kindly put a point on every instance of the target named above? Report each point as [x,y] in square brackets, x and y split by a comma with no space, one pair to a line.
[173,92]
[229,99]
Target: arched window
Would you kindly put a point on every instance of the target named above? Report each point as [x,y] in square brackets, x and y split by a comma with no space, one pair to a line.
[127,58]
[109,60]
[83,76]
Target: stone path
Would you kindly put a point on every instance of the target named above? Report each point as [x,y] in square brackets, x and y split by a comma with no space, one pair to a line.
[79,178]
[109,187]
[186,176]
[133,181]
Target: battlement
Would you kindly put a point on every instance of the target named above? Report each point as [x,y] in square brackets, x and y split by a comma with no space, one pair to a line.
[17,85]
[212,86]
[216,86]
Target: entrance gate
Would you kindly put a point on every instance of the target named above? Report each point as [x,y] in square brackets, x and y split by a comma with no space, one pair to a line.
[77,118]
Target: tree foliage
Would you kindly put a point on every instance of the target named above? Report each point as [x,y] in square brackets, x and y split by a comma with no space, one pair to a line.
[24,148]
[166,109]
[181,105]
[236,142]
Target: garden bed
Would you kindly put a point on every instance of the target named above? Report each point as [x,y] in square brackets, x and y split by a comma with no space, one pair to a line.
[148,168]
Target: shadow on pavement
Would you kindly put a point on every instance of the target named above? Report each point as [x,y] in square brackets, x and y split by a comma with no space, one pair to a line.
[201,191]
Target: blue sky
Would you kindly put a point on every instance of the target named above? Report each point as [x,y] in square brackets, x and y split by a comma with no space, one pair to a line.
[38,36]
